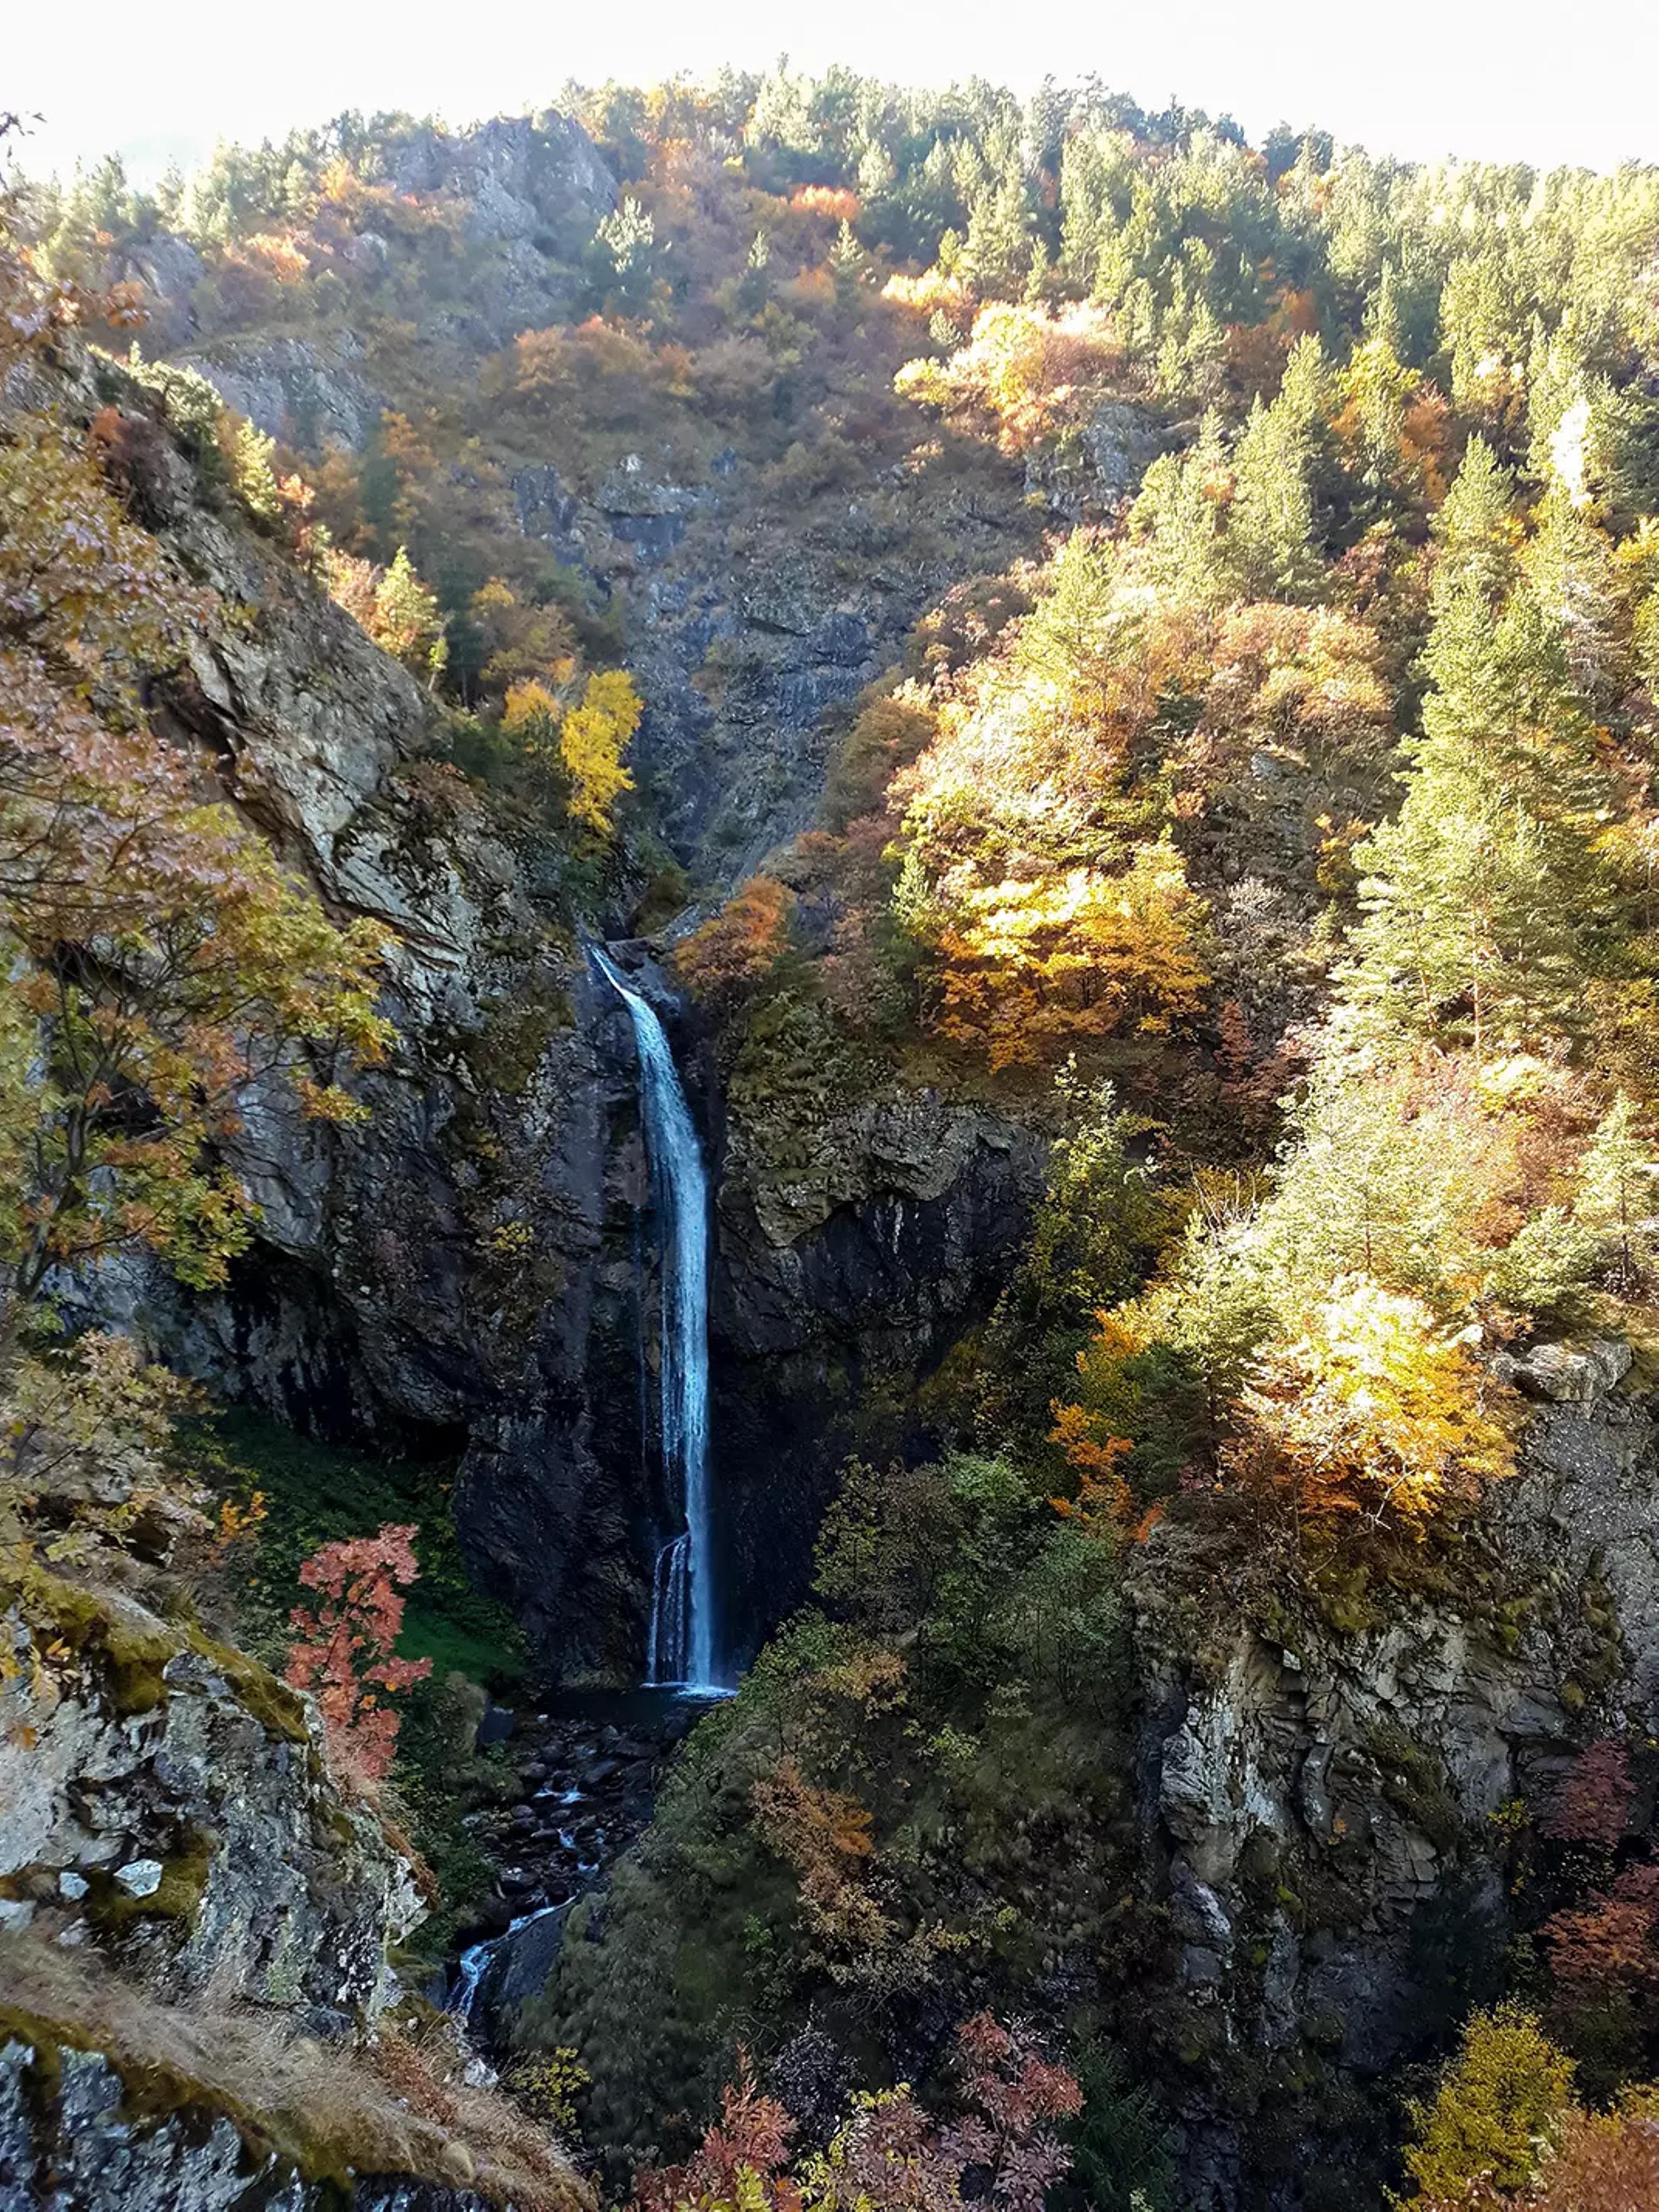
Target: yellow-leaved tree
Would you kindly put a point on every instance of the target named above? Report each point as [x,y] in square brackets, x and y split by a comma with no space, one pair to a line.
[1030,969]
[1372,1407]
[593,738]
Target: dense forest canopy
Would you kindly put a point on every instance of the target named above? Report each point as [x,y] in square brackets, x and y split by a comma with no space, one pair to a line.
[1265,828]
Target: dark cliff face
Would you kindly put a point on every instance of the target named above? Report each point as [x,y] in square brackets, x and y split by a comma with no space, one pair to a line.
[749,623]
[396,1311]
[818,1344]
[1328,1791]
[824,1342]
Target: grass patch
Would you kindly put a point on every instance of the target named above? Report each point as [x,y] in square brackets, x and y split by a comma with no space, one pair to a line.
[315,1494]
[400,2106]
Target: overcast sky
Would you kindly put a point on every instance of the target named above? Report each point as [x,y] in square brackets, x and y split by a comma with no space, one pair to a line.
[1511,80]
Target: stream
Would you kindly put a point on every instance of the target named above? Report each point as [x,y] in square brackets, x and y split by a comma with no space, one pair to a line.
[586,1764]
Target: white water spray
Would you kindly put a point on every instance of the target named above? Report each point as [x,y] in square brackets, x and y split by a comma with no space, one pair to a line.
[681,1645]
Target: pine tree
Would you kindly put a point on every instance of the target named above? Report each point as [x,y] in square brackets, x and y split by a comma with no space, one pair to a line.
[1486,900]
[1270,524]
[1376,388]
[407,622]
[1478,333]
[1180,509]
[996,255]
[1571,569]
[1616,1195]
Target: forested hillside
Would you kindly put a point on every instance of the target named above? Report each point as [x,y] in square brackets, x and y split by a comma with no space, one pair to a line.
[1103,681]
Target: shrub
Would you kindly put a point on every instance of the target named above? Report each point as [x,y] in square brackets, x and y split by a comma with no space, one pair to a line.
[1498,2108]
[344,1651]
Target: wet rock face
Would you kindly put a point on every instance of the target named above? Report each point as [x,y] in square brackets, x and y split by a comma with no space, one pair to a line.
[837,1295]
[1324,1809]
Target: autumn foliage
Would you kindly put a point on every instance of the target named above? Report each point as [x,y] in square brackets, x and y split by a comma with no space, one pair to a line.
[1029,969]
[737,950]
[825,1836]
[1370,1408]
[344,1650]
[1023,374]
[890,2155]
[1505,2134]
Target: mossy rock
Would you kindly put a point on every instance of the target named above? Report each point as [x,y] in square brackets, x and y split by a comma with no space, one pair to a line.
[280,1711]
[131,1657]
[177,1897]
[1412,1779]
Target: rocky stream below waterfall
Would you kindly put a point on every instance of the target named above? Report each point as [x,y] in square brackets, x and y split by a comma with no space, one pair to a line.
[586,1768]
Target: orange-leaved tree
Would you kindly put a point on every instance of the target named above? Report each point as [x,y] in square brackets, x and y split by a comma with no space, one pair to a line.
[346,1650]
[736,950]
[824,1835]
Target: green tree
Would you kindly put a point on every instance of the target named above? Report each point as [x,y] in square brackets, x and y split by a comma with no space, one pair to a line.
[406,620]
[1181,512]
[1486,902]
[1616,1197]
[1271,522]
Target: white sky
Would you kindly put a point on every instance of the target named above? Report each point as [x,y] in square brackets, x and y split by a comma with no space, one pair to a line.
[1571,81]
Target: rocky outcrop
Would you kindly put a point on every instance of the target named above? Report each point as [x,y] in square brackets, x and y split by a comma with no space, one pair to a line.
[164,1799]
[195,1924]
[1096,476]
[83,2132]
[750,625]
[523,177]
[69,2138]
[1329,1792]
[524,195]
[303,391]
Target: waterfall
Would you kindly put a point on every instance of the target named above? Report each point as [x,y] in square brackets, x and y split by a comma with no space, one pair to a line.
[681,1645]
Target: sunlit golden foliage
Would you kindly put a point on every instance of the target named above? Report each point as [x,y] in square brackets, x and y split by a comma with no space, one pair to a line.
[933,292]
[392,606]
[1496,2115]
[593,737]
[1371,1408]
[1027,970]
[1025,373]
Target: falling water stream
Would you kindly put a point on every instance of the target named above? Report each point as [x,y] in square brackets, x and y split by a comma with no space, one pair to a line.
[681,1647]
